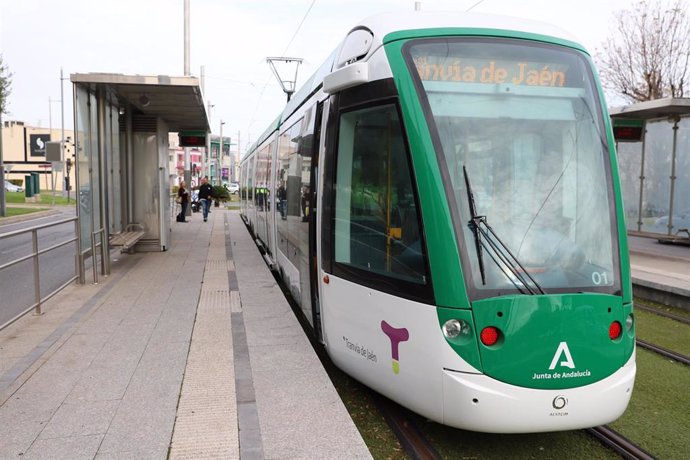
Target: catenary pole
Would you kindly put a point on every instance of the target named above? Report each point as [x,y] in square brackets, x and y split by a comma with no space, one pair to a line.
[187,159]
[3,210]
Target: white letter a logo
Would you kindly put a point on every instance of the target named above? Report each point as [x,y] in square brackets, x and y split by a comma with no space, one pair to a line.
[562,350]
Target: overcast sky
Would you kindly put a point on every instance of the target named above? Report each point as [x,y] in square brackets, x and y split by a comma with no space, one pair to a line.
[229,38]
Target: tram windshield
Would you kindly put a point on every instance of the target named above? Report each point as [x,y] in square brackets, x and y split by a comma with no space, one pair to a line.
[520,124]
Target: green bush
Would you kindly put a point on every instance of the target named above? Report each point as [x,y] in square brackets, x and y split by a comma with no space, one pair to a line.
[220,193]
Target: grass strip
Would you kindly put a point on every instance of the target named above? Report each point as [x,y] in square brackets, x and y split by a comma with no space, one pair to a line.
[658,416]
[664,332]
[376,433]
[46,198]
[663,308]
[11,211]
[461,444]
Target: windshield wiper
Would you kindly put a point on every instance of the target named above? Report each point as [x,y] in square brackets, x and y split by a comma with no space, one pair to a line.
[485,238]
[473,225]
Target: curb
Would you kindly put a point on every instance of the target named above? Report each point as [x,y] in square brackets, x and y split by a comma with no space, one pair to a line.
[26,217]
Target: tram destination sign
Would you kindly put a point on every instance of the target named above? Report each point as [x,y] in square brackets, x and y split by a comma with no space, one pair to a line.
[467,70]
[192,138]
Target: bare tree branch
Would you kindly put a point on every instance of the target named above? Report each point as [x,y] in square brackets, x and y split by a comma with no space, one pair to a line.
[5,83]
[647,55]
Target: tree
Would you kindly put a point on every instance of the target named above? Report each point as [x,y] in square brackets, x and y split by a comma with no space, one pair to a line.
[5,82]
[647,55]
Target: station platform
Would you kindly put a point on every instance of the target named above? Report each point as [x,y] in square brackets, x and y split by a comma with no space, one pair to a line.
[660,272]
[188,354]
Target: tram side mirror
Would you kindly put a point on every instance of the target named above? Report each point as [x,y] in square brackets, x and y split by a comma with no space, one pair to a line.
[349,71]
[346,77]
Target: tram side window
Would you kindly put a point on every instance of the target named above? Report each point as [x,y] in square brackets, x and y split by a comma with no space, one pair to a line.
[376,227]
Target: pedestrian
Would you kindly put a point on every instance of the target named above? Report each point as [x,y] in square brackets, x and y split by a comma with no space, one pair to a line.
[183,199]
[282,201]
[205,196]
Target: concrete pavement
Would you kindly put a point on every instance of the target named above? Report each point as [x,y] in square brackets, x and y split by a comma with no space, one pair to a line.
[167,357]
[661,272]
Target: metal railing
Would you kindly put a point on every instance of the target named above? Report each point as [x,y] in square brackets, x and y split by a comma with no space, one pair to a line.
[36,268]
[95,246]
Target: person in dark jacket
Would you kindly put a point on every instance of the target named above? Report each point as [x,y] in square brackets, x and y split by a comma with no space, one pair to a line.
[205,196]
[183,199]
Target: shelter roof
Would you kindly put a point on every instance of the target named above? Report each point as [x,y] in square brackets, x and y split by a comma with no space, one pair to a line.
[177,100]
[658,108]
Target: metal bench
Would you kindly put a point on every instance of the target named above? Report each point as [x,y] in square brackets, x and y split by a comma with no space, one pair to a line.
[128,238]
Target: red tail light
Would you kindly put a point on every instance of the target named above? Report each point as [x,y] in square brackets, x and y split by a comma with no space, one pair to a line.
[615,330]
[489,335]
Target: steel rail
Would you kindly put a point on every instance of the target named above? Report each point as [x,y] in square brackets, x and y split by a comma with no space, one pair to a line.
[37,227]
[39,253]
[682,319]
[664,352]
[410,437]
[619,443]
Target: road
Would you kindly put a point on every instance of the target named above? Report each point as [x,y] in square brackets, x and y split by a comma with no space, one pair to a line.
[56,267]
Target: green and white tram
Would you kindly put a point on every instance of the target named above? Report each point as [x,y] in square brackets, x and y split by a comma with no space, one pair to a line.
[442,198]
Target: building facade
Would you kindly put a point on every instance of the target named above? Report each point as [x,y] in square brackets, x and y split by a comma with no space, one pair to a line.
[24,152]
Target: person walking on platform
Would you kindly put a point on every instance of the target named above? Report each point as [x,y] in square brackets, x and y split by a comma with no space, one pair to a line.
[183,199]
[205,196]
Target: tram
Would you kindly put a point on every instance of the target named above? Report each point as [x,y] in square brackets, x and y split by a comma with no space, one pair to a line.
[442,199]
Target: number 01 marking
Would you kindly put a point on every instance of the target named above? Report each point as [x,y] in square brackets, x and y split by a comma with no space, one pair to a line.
[600,278]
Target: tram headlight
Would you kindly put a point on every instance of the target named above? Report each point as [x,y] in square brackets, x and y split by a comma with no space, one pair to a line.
[454,328]
[629,322]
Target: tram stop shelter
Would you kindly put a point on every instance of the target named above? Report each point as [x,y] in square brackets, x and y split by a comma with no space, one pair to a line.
[653,145]
[122,123]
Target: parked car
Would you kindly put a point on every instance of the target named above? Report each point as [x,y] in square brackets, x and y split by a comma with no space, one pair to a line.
[681,219]
[233,187]
[10,187]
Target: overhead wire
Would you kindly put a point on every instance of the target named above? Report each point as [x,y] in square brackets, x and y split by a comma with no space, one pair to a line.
[472,7]
[304,18]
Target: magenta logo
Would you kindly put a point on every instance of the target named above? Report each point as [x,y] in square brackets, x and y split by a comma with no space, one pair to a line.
[396,335]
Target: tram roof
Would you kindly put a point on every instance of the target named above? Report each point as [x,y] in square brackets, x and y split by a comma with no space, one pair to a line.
[658,108]
[177,100]
[384,24]
[387,23]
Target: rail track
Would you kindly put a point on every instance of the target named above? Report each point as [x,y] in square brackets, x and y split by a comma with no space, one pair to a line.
[661,350]
[664,352]
[656,311]
[411,438]
[619,443]
[419,448]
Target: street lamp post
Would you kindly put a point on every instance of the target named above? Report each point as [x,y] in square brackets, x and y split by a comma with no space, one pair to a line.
[207,149]
[220,152]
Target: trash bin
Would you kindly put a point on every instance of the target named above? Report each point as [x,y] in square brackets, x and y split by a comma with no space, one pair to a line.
[37,184]
[28,186]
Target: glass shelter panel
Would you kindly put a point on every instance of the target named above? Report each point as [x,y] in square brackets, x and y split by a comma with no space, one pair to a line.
[112,128]
[629,167]
[95,164]
[681,192]
[656,188]
[82,157]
